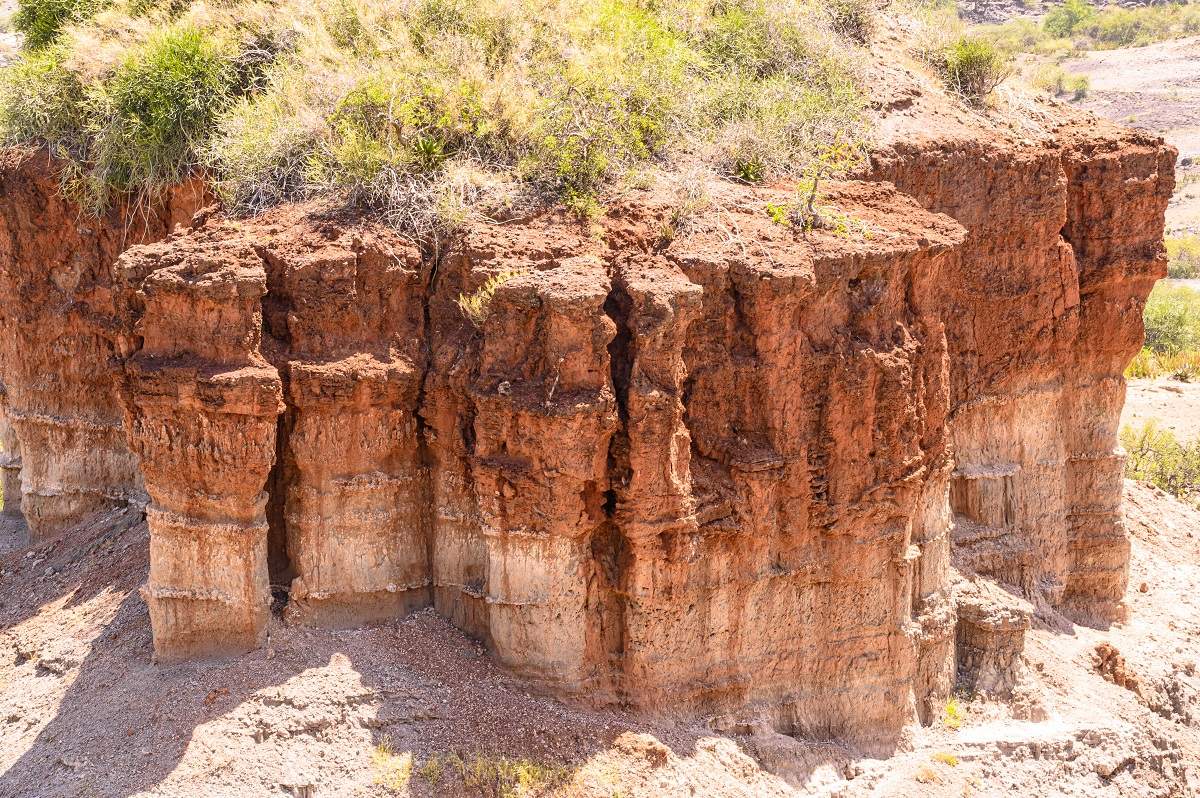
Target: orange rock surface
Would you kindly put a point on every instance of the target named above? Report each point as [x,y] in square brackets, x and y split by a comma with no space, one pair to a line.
[727,473]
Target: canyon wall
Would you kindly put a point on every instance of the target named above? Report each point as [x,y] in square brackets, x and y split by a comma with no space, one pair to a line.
[725,473]
[55,355]
[1043,314]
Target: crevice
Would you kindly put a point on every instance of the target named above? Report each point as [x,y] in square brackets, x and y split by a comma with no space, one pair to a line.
[611,553]
[274,346]
[430,257]
[280,571]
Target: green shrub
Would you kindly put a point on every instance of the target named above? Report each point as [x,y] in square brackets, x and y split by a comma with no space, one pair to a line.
[1172,319]
[1183,253]
[973,67]
[854,19]
[156,110]
[1062,20]
[40,98]
[1156,456]
[40,21]
[1079,85]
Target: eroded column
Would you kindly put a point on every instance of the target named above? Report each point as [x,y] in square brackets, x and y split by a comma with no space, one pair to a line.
[201,407]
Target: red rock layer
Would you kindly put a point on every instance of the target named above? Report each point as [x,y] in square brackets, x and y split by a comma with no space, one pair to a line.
[1043,312]
[718,474]
[55,276]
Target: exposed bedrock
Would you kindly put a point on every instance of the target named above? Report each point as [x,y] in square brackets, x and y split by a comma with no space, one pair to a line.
[1043,313]
[56,277]
[726,475]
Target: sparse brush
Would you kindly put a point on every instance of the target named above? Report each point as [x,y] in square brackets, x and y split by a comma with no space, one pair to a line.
[1172,319]
[1183,254]
[1155,455]
[973,67]
[476,305]
[1080,84]
[390,104]
[393,770]
[431,770]
[513,778]
[854,19]
[1148,364]
[690,200]
[1082,25]
[953,715]
[946,758]
[927,775]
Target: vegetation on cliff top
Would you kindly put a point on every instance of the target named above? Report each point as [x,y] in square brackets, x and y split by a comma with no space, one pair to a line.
[431,110]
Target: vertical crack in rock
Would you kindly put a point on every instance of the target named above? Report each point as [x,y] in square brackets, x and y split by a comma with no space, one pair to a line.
[350,310]
[609,546]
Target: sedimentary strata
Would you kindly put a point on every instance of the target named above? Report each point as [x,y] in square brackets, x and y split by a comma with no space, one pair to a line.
[727,472]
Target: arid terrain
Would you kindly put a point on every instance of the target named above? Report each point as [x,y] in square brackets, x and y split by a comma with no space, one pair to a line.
[1154,88]
[711,480]
[85,712]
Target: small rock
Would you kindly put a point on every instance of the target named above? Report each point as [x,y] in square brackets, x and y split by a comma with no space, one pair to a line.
[1143,588]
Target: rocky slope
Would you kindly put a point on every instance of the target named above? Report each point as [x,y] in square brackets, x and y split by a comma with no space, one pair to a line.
[787,482]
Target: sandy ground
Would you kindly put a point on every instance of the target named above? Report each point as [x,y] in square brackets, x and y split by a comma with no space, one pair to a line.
[1155,88]
[1172,404]
[84,712]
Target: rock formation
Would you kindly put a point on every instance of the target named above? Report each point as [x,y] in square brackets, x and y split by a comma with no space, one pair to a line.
[726,473]
[60,399]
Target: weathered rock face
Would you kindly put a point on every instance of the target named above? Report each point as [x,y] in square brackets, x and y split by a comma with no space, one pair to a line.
[722,474]
[1043,314]
[200,410]
[57,283]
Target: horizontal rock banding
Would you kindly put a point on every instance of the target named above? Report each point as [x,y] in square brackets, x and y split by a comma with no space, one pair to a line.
[725,474]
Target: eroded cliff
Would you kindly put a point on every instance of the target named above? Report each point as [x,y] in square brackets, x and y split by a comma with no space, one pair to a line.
[726,473]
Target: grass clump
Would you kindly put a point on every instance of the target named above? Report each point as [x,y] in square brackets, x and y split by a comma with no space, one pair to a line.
[972,66]
[476,305]
[854,19]
[1148,365]
[1053,79]
[1183,254]
[1156,456]
[41,21]
[431,770]
[953,715]
[501,777]
[946,758]
[433,111]
[393,770]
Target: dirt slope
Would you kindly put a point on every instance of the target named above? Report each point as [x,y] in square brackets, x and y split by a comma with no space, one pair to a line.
[84,712]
